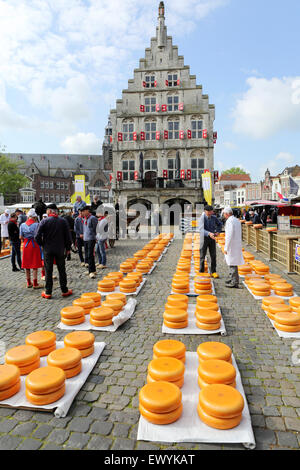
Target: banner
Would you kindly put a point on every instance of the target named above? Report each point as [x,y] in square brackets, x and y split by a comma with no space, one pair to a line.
[79,185]
[207,187]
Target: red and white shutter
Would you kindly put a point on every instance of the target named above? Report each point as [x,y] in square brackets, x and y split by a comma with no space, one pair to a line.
[181,106]
[178,82]
[136,175]
[204,134]
[135,136]
[189,134]
[181,135]
[166,135]
[165,174]
[120,137]
[142,108]
[157,135]
[188,174]
[182,174]
[157,108]
[119,175]
[164,108]
[142,135]
[167,82]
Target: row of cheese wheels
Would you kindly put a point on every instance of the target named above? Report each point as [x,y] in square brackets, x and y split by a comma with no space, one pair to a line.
[44,385]
[127,284]
[220,405]
[262,287]
[285,317]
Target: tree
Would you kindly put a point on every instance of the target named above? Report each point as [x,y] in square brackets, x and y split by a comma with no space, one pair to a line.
[234,171]
[11,179]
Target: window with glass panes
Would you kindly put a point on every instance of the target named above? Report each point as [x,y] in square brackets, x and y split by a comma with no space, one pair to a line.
[150,81]
[150,104]
[172,79]
[173,102]
[150,128]
[171,168]
[150,165]
[128,168]
[197,126]
[128,130]
[173,128]
[197,166]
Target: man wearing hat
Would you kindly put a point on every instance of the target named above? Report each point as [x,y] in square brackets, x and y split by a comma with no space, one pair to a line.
[212,227]
[4,219]
[54,236]
[21,217]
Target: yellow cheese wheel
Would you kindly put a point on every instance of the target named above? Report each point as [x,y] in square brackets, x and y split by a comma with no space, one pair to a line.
[102,313]
[126,267]
[93,296]
[46,398]
[207,298]
[176,325]
[278,308]
[295,302]
[170,348]
[161,418]
[73,371]
[214,350]
[106,285]
[11,391]
[221,401]
[128,290]
[208,326]
[180,290]
[273,282]
[116,305]
[45,351]
[179,382]
[117,296]
[174,299]
[45,380]
[287,318]
[65,358]
[100,323]
[269,276]
[127,283]
[87,352]
[261,293]
[208,316]
[117,274]
[173,308]
[182,358]
[22,355]
[86,304]
[73,321]
[244,269]
[217,371]
[203,384]
[24,370]
[180,284]
[267,301]
[218,423]
[169,369]
[287,328]
[283,286]
[176,315]
[284,294]
[79,339]
[204,306]
[72,312]
[160,397]
[9,376]
[41,339]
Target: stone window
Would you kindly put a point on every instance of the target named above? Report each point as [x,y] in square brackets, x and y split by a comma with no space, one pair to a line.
[172,79]
[171,168]
[197,126]
[128,168]
[128,130]
[150,128]
[173,102]
[173,129]
[150,165]
[150,104]
[150,80]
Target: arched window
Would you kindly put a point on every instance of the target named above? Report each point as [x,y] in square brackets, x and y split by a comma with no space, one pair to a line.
[173,128]
[150,161]
[128,166]
[197,164]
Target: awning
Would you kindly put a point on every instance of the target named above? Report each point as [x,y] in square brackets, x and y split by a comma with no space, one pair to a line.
[265,203]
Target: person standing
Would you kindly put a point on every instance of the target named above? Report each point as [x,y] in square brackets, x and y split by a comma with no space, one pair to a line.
[31,258]
[14,238]
[89,237]
[21,217]
[95,204]
[79,204]
[40,208]
[212,227]
[53,235]
[102,236]
[233,248]
[78,228]
[4,219]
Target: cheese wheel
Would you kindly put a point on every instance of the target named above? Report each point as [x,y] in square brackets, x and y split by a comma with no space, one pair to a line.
[116,305]
[128,290]
[65,358]
[79,339]
[294,302]
[206,298]
[73,371]
[73,321]
[267,301]
[180,284]
[24,370]
[214,350]
[284,293]
[182,358]
[176,316]
[102,313]
[45,380]
[204,306]
[72,312]
[173,308]
[126,267]
[106,285]
[45,399]
[41,339]
[283,286]
[117,296]
[218,423]
[9,376]
[287,328]
[100,323]
[117,274]
[217,371]
[221,401]
[45,351]
[179,382]
[22,355]
[287,318]
[176,325]
[127,283]
[93,296]
[86,304]
[269,276]
[11,391]
[161,418]
[208,326]
[174,299]
[160,397]
[208,316]
[203,291]
[261,293]
[169,369]
[170,348]
[203,384]
[278,308]
[87,352]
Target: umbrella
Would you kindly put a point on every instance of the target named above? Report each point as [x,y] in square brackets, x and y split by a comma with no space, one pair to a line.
[141,168]
[177,164]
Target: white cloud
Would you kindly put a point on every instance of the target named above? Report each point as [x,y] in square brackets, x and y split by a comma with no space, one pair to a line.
[86,143]
[277,164]
[268,107]
[230,145]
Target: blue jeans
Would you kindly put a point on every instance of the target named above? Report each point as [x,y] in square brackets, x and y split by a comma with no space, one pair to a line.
[100,249]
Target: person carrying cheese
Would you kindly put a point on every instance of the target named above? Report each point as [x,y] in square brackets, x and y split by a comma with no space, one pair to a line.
[233,247]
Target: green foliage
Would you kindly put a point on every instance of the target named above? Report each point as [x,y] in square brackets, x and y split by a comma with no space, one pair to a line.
[11,179]
[234,171]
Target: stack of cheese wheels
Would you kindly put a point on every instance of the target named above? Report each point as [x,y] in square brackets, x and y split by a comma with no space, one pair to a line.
[284,289]
[86,304]
[126,267]
[287,321]
[216,371]
[133,261]
[251,277]
[277,280]
[181,285]
[115,276]
[44,340]
[272,277]
[107,285]
[214,350]
[178,299]
[160,402]
[295,304]
[95,296]
[273,309]
[10,382]
[82,340]
[117,296]
[68,359]
[260,289]
[141,254]
[261,268]
[271,300]
[115,304]
[202,285]
[127,286]
[208,316]
[244,269]
[45,385]
[25,356]
[154,254]
[144,266]
[138,277]
[169,348]
[72,315]
[176,318]
[220,406]
[101,316]
[248,256]
[167,369]
[206,298]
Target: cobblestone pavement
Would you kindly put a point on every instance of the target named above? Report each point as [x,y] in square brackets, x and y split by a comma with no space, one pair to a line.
[104,414]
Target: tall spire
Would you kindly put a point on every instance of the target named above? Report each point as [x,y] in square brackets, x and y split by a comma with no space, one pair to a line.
[161,30]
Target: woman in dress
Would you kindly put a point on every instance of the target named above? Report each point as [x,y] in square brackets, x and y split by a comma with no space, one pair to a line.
[31,251]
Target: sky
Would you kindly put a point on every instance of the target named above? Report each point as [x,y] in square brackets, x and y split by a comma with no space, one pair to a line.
[64,63]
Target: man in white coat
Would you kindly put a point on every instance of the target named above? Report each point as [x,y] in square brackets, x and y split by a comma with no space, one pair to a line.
[233,247]
[4,219]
